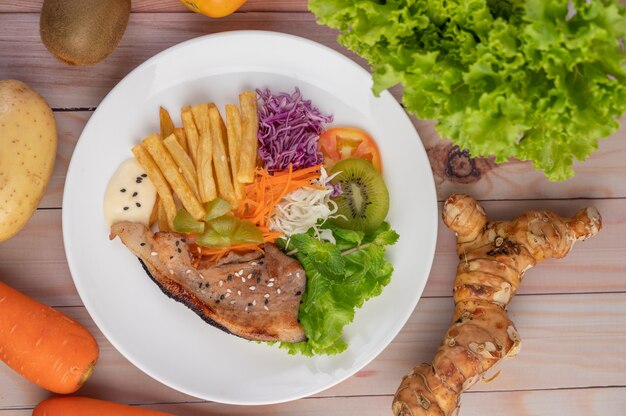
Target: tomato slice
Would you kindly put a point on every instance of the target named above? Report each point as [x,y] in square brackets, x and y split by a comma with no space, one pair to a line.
[341,143]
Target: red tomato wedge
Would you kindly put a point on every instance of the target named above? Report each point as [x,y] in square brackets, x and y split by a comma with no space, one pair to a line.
[341,143]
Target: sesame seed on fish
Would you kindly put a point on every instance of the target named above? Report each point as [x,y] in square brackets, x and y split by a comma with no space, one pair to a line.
[252,287]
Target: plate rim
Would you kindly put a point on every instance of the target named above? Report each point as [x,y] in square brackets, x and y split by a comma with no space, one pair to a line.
[73,268]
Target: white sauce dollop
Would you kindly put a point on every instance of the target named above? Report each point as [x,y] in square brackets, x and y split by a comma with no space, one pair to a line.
[130,195]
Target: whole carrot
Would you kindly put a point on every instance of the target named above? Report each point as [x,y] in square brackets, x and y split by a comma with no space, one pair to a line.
[83,406]
[45,346]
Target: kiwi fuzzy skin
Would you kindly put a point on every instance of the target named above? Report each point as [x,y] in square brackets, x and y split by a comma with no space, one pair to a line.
[83,32]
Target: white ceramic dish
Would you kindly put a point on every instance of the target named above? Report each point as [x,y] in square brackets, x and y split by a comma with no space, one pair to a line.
[162,337]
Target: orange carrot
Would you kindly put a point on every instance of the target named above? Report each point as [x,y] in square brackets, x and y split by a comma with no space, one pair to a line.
[42,344]
[83,406]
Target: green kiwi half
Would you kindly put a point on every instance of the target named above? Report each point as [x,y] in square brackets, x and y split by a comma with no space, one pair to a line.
[364,201]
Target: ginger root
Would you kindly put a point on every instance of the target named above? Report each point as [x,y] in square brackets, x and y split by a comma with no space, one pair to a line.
[493,259]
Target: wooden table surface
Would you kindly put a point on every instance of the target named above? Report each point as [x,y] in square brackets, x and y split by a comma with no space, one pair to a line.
[571,313]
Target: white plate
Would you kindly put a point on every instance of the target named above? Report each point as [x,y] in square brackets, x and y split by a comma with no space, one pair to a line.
[164,338]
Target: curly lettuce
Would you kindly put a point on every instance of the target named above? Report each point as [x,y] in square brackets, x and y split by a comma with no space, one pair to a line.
[340,278]
[528,79]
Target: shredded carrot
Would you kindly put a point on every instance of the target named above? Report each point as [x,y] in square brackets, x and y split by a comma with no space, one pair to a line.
[267,190]
[260,200]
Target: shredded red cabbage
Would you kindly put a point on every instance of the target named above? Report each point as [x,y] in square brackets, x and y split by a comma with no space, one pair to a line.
[289,129]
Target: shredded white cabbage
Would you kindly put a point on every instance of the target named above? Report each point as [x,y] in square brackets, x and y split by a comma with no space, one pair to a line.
[306,208]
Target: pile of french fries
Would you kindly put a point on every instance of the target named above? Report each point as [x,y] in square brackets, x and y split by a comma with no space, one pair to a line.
[205,159]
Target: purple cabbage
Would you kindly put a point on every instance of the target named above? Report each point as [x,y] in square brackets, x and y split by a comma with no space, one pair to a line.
[289,129]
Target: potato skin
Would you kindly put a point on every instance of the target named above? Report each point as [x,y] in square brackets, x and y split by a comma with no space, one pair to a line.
[28,143]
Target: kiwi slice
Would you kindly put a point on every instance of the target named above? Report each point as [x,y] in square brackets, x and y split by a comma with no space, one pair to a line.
[364,200]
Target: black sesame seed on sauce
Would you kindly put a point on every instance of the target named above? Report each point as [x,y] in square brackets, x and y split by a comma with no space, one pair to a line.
[298,293]
[143,175]
[179,250]
[135,194]
[138,204]
[267,301]
[142,244]
[125,208]
[123,190]
[229,277]
[221,297]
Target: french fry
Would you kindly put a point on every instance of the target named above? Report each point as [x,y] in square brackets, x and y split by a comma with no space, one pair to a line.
[162,220]
[233,134]
[164,160]
[191,133]
[158,180]
[249,132]
[155,208]
[165,122]
[183,161]
[179,132]
[220,157]
[204,167]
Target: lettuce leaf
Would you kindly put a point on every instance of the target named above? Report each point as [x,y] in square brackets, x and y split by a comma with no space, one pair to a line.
[531,79]
[340,278]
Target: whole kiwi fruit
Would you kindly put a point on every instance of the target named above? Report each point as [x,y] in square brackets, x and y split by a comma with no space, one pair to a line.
[83,32]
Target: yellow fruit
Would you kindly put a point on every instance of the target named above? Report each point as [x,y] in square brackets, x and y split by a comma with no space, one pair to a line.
[28,143]
[213,8]
[83,32]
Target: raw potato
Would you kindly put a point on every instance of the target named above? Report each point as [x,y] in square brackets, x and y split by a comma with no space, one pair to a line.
[28,144]
[494,255]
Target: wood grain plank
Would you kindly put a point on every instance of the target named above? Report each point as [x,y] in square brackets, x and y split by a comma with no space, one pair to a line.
[34,260]
[569,341]
[572,402]
[147,34]
[600,176]
[169,6]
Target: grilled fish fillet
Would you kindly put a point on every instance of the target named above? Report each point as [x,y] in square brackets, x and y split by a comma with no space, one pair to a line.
[255,296]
